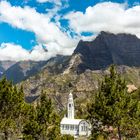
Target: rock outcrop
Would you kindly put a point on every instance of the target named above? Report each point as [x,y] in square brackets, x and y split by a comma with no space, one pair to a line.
[107,49]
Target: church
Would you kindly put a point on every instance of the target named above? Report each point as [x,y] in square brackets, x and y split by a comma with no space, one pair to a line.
[71,126]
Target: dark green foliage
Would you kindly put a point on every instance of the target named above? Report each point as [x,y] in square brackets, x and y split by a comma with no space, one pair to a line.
[43,122]
[11,107]
[114,107]
[31,129]
[67,137]
[27,121]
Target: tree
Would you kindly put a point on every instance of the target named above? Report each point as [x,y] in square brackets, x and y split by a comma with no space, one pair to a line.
[67,137]
[11,107]
[43,122]
[31,128]
[113,108]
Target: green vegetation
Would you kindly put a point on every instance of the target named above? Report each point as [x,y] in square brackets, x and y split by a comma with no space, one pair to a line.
[27,121]
[113,112]
[43,122]
[67,137]
[12,108]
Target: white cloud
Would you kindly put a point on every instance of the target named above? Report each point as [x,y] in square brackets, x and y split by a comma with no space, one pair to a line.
[13,52]
[57,2]
[47,32]
[106,16]
[43,1]
[58,5]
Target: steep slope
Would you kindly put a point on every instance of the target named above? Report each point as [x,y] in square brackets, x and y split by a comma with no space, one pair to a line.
[24,69]
[4,65]
[1,70]
[106,49]
[21,70]
[58,86]
[82,85]
[82,72]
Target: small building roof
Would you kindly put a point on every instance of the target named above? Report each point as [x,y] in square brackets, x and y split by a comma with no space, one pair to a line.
[70,121]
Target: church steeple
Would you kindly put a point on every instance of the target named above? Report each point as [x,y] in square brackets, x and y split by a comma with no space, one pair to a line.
[70,107]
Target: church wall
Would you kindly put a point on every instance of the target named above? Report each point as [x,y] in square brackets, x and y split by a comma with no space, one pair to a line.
[69,129]
[84,128]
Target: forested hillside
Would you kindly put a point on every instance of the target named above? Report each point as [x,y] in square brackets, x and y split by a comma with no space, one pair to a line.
[20,120]
[112,111]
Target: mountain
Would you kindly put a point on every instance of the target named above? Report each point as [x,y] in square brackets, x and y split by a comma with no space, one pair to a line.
[82,72]
[98,54]
[24,69]
[83,85]
[107,49]
[4,65]
[1,70]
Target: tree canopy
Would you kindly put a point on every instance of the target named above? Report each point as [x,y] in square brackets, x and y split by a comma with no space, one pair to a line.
[113,111]
[11,107]
[26,121]
[43,121]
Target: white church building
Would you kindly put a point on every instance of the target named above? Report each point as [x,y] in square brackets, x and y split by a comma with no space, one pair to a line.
[71,126]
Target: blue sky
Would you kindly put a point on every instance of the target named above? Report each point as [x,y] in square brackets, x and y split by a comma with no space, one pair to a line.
[60,24]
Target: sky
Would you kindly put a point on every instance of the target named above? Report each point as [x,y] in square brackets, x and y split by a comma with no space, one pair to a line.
[29,26]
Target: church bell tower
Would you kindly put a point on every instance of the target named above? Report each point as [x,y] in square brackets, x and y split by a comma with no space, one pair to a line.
[70,107]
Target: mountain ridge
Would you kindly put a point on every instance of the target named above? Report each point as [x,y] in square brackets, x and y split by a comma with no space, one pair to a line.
[79,76]
[108,48]
[89,56]
[22,70]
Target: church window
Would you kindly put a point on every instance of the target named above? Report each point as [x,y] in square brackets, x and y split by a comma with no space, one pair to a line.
[69,105]
[62,126]
[81,128]
[71,127]
[76,127]
[67,127]
[84,127]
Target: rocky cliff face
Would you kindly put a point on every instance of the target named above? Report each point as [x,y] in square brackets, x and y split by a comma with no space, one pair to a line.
[107,49]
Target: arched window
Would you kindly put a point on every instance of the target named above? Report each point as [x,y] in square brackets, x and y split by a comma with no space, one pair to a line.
[84,126]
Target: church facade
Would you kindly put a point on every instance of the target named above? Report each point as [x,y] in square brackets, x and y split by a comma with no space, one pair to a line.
[71,126]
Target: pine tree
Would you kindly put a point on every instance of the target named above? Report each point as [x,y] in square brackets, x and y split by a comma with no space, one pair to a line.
[113,107]
[11,105]
[43,122]
[31,127]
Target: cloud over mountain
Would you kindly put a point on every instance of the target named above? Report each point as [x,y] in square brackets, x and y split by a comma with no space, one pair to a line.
[59,39]
[10,51]
[106,16]
[47,32]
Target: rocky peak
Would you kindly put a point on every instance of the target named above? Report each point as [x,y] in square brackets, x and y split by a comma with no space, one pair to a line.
[108,48]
